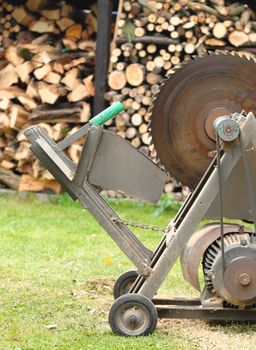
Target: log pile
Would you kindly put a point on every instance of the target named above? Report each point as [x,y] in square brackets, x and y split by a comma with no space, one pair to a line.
[46,75]
[152,37]
[47,65]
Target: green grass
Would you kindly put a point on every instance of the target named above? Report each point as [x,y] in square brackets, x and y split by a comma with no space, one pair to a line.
[58,266]
[57,269]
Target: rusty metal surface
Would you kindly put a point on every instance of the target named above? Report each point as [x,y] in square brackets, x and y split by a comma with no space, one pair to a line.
[189,100]
[189,309]
[193,252]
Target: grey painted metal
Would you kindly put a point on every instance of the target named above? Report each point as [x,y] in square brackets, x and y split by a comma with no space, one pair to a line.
[74,137]
[197,208]
[237,203]
[76,181]
[119,166]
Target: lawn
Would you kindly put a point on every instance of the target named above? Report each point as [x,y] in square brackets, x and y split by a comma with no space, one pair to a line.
[57,270]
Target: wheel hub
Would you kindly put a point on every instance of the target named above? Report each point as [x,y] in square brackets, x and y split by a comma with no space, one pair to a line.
[132,318]
[214,114]
[240,278]
[132,315]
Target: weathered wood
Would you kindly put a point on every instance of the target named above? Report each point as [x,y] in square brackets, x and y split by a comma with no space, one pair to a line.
[158,40]
[59,112]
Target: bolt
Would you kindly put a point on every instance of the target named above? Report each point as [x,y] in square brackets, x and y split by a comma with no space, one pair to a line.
[145,272]
[243,242]
[228,130]
[210,273]
[244,279]
[133,321]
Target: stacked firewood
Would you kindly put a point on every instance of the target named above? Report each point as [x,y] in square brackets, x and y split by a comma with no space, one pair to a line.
[46,75]
[152,37]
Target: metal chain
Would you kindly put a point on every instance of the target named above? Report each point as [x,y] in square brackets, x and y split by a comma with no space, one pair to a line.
[143,226]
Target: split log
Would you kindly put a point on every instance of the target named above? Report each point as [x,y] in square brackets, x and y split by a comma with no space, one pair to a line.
[50,93]
[27,102]
[71,79]
[64,23]
[43,26]
[21,15]
[79,93]
[41,72]
[36,5]
[28,183]
[74,32]
[8,76]
[24,70]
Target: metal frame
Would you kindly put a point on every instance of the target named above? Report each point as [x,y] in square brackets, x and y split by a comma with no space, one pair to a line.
[76,181]
[152,267]
[193,210]
[192,309]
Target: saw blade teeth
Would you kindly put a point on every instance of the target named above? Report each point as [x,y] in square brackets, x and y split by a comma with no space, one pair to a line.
[201,54]
[152,121]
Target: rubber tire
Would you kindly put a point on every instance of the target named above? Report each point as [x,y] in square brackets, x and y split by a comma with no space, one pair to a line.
[121,281]
[138,300]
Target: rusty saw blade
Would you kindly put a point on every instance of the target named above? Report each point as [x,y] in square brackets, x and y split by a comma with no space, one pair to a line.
[184,109]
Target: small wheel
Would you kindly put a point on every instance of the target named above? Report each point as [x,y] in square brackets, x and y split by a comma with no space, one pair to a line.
[124,282]
[133,315]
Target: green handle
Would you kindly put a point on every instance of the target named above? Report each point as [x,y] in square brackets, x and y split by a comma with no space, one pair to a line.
[107,114]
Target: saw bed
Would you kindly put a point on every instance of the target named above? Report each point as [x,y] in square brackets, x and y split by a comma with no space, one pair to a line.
[204,131]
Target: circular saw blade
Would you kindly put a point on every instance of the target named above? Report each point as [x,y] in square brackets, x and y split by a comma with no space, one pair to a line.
[199,91]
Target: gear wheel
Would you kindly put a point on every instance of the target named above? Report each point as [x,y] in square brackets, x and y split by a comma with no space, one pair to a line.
[199,91]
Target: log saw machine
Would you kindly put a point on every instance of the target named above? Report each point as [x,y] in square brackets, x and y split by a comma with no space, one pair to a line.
[204,132]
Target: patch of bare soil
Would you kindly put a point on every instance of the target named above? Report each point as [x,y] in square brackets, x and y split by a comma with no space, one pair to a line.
[94,288]
[209,336]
